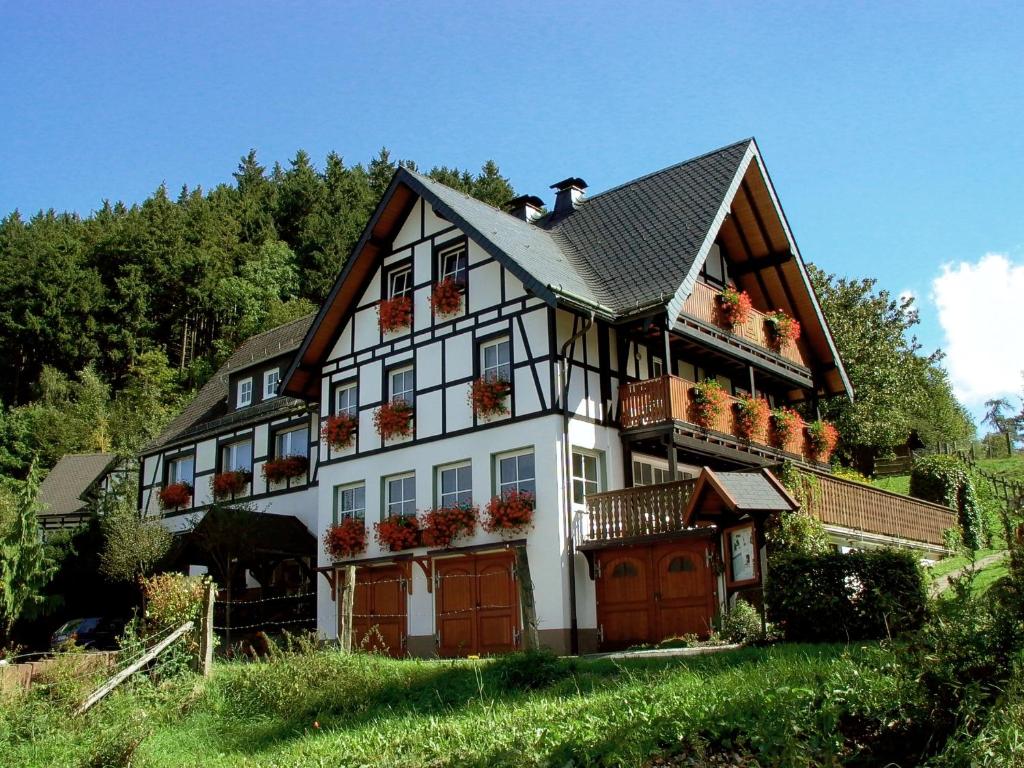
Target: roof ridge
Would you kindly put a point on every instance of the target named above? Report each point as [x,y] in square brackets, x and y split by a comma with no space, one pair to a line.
[277,328]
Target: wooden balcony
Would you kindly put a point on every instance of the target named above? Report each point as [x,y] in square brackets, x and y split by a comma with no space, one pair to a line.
[640,511]
[668,400]
[702,306]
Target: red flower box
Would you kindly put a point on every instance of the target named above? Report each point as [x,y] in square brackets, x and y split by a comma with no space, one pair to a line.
[346,538]
[393,419]
[708,401]
[175,495]
[785,423]
[734,307]
[225,484]
[443,525]
[340,430]
[782,329]
[488,397]
[752,417]
[398,532]
[446,298]
[395,314]
[276,470]
[822,440]
[512,511]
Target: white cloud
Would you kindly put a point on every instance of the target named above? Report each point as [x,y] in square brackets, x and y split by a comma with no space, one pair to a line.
[980,310]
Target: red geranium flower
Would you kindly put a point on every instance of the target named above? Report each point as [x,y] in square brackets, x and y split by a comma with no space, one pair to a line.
[393,419]
[339,430]
[225,484]
[276,470]
[512,511]
[175,495]
[488,397]
[395,314]
[445,524]
[398,532]
[446,298]
[346,538]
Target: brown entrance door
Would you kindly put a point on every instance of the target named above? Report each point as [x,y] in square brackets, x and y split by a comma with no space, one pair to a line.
[380,612]
[477,605]
[647,594]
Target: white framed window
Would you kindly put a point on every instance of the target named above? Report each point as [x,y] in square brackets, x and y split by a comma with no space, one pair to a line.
[244,392]
[453,263]
[455,485]
[657,368]
[181,470]
[236,456]
[402,385]
[350,501]
[516,473]
[270,381]
[586,475]
[496,360]
[645,473]
[346,400]
[400,281]
[292,442]
[400,496]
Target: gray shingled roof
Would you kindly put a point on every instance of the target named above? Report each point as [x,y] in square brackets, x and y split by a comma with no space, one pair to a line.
[210,403]
[61,490]
[752,491]
[642,238]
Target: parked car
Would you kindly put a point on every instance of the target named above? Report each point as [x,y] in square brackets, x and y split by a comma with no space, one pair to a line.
[97,632]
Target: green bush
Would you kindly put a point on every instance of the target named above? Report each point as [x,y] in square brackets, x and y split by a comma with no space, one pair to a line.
[530,670]
[946,480]
[860,595]
[742,624]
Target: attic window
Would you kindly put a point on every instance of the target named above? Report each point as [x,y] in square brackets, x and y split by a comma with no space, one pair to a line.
[400,281]
[453,263]
[244,393]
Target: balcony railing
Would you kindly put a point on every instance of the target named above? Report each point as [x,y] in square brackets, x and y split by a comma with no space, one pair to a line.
[703,306]
[641,511]
[669,399]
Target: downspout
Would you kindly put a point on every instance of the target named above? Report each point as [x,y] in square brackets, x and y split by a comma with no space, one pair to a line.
[563,365]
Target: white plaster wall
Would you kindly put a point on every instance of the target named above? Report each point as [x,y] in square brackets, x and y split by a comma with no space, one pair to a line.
[410,230]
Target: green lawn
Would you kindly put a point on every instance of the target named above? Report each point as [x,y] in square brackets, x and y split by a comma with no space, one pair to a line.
[786,705]
[896,484]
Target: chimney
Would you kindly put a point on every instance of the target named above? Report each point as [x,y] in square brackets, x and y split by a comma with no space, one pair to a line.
[525,207]
[569,193]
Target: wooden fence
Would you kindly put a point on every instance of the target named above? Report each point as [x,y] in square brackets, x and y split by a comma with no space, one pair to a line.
[640,511]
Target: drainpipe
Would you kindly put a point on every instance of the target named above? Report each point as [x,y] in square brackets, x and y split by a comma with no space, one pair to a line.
[563,369]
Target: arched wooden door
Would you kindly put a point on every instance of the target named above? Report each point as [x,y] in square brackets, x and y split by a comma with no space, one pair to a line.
[477,605]
[684,589]
[624,597]
[380,610]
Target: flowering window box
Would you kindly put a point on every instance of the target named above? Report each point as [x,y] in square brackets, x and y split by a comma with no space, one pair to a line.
[822,438]
[340,430]
[398,532]
[175,495]
[785,425]
[395,314]
[734,307]
[752,415]
[782,329]
[446,298]
[346,538]
[393,419]
[708,402]
[285,468]
[512,512]
[228,484]
[489,397]
[443,525]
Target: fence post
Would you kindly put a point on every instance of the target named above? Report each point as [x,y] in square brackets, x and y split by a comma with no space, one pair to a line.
[346,629]
[531,641]
[206,629]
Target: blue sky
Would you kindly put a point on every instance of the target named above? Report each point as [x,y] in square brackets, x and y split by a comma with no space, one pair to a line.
[894,133]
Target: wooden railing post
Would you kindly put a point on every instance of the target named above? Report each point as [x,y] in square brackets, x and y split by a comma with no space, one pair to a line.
[206,643]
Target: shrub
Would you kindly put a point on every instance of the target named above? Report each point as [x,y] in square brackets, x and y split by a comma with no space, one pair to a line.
[796,532]
[752,415]
[530,670]
[227,484]
[708,402]
[395,314]
[488,397]
[785,423]
[823,438]
[175,495]
[734,306]
[945,480]
[398,532]
[441,526]
[446,298]
[393,419]
[840,597]
[276,470]
[781,329]
[339,430]
[742,624]
[346,538]
[512,511]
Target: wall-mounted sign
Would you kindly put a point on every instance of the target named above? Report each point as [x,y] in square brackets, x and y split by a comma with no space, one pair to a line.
[741,555]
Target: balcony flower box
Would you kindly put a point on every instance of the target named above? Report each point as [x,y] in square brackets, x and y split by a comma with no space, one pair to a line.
[782,329]
[512,512]
[228,484]
[175,495]
[443,525]
[822,438]
[734,307]
[395,314]
[285,468]
[785,424]
[340,430]
[708,401]
[489,397]
[398,532]
[393,419]
[446,298]
[752,415]
[346,538]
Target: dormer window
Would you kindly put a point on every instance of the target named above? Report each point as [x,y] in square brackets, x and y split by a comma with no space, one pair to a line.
[453,263]
[270,381]
[244,392]
[400,281]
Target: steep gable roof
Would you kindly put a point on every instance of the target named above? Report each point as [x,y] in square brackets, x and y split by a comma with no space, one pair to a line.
[62,489]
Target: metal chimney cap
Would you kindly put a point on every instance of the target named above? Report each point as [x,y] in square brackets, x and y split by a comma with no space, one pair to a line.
[570,183]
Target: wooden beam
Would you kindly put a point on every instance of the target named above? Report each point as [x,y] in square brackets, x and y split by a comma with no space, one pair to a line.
[531,638]
[777,258]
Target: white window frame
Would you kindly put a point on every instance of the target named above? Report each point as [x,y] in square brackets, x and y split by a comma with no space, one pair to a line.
[503,486]
[226,451]
[174,476]
[453,261]
[583,484]
[270,390]
[244,392]
[405,272]
[351,392]
[408,395]
[355,493]
[462,494]
[279,453]
[498,370]
[406,505]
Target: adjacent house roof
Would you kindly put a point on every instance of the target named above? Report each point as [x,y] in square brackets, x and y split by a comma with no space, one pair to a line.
[208,410]
[62,490]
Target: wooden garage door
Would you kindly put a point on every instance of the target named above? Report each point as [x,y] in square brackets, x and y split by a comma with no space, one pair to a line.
[647,594]
[477,603]
[380,610]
